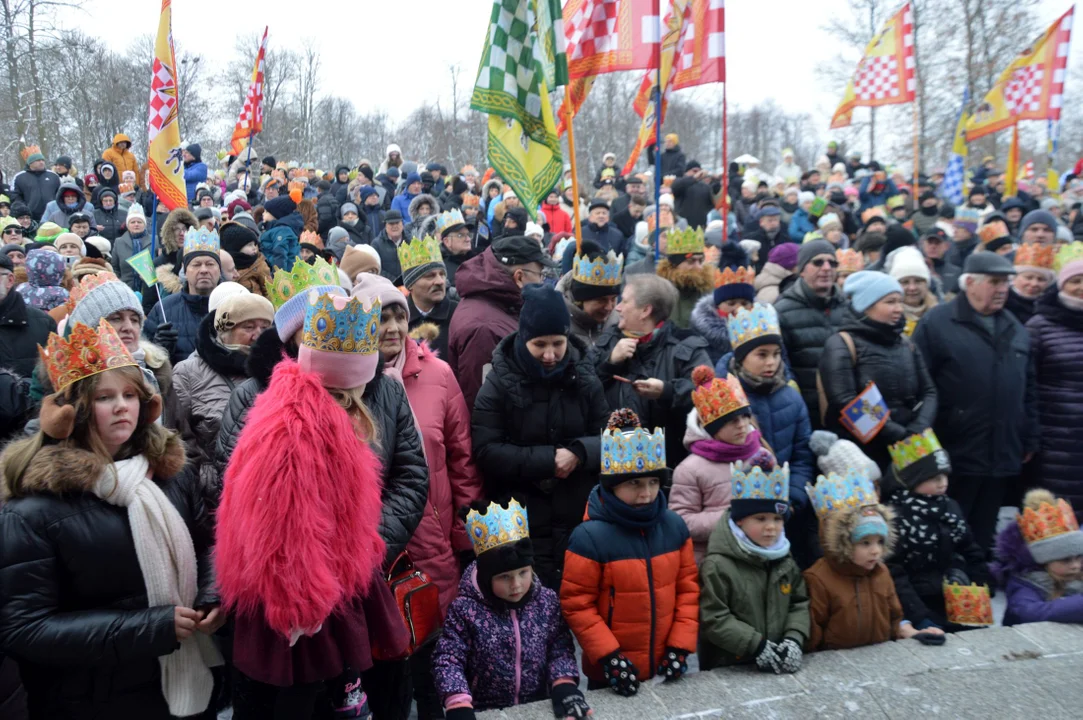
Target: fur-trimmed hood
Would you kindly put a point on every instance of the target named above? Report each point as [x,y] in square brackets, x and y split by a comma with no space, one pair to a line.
[699,279]
[423,198]
[180,216]
[837,530]
[708,323]
[169,279]
[425,333]
[485,190]
[62,468]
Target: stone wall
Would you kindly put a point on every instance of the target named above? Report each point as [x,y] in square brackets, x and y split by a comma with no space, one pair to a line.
[1029,671]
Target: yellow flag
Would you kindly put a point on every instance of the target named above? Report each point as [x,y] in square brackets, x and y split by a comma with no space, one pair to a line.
[164,159]
[885,75]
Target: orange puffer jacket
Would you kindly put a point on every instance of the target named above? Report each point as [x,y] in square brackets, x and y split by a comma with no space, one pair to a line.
[630,584]
[122,158]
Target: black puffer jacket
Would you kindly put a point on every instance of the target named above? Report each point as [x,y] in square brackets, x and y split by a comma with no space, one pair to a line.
[22,329]
[891,361]
[519,422]
[670,356]
[405,474]
[807,320]
[73,601]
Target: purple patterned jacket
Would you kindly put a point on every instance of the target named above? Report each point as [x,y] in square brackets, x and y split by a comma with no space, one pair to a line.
[506,658]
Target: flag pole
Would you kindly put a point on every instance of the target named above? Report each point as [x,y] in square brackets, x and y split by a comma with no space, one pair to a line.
[1012,171]
[566,110]
[725,199]
[917,151]
[658,137]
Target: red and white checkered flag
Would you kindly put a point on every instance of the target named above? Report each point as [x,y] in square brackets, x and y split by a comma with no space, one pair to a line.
[885,75]
[250,121]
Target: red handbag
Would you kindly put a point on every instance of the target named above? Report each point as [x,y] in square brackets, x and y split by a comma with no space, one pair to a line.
[418,601]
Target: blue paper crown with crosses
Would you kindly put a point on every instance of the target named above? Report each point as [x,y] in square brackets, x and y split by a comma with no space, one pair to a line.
[497,526]
[201,240]
[602,271]
[746,325]
[752,483]
[841,492]
[353,328]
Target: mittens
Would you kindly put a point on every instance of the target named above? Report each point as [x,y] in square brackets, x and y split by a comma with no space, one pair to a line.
[674,664]
[767,658]
[57,417]
[789,652]
[568,701]
[621,674]
[955,575]
[926,638]
[459,713]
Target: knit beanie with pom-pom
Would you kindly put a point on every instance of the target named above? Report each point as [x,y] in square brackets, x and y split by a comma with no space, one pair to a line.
[837,456]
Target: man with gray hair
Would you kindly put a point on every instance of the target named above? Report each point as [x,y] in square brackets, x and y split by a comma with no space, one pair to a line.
[645,363]
[987,417]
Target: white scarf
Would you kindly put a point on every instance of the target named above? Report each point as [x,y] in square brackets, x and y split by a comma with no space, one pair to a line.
[167,559]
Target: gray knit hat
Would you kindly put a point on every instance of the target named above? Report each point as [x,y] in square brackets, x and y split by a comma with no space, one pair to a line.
[810,250]
[103,301]
[837,456]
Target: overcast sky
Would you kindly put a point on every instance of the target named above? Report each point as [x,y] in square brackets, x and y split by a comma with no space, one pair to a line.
[393,55]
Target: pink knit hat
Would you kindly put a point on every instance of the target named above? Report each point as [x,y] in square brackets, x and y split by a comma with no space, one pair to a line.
[340,340]
[376,287]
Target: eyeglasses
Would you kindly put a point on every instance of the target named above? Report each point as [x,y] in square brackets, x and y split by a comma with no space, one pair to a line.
[820,262]
[12,230]
[460,234]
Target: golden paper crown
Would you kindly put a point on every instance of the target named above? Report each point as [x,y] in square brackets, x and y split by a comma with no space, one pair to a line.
[341,325]
[86,352]
[684,242]
[85,285]
[497,526]
[714,397]
[287,285]
[628,449]
[850,261]
[743,276]
[418,252]
[907,452]
[1035,255]
[968,604]
[1047,521]
[1072,252]
[602,271]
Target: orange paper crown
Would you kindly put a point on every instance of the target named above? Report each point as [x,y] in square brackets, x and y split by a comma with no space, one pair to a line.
[743,276]
[1047,521]
[30,150]
[969,605]
[850,261]
[86,352]
[1034,255]
[714,397]
[85,285]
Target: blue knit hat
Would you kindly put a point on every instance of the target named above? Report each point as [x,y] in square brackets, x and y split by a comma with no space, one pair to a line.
[280,206]
[411,179]
[868,287]
[544,313]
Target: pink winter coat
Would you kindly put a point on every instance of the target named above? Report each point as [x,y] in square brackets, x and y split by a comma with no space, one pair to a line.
[454,482]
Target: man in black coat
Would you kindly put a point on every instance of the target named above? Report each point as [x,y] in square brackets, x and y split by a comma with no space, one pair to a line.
[768,232]
[35,185]
[425,277]
[22,328]
[672,156]
[387,244]
[695,194]
[979,358]
[600,231]
[810,311]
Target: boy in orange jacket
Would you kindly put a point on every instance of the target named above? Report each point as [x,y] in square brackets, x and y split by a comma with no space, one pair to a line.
[630,591]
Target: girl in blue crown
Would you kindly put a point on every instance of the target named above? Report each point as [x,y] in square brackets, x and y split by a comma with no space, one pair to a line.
[504,641]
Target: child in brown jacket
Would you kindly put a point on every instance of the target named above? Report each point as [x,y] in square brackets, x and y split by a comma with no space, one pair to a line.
[851,593]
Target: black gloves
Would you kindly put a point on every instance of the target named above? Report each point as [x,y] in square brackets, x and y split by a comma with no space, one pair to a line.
[767,658]
[674,664]
[621,674]
[927,638]
[789,652]
[459,713]
[166,337]
[568,701]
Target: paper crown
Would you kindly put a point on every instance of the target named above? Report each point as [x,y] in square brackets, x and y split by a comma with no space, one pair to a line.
[30,150]
[746,325]
[750,482]
[311,237]
[85,285]
[1035,255]
[286,285]
[602,271]
[448,220]
[497,526]
[201,240]
[850,260]
[632,451]
[418,252]
[715,397]
[341,325]
[907,452]
[1048,520]
[86,352]
[1071,252]
[834,492]
[968,604]
[743,276]
[684,242]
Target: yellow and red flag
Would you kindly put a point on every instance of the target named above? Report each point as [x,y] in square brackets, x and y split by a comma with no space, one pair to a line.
[164,159]
[885,75]
[1031,87]
[250,121]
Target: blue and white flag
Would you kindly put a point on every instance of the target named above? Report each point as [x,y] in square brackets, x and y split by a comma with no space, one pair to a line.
[866,414]
[951,189]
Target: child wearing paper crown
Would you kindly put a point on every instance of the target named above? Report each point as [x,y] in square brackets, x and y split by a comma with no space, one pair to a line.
[719,432]
[629,591]
[935,545]
[852,597]
[502,608]
[754,607]
[1040,562]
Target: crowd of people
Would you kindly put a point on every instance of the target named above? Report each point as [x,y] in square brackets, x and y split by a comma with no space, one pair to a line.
[384,438]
